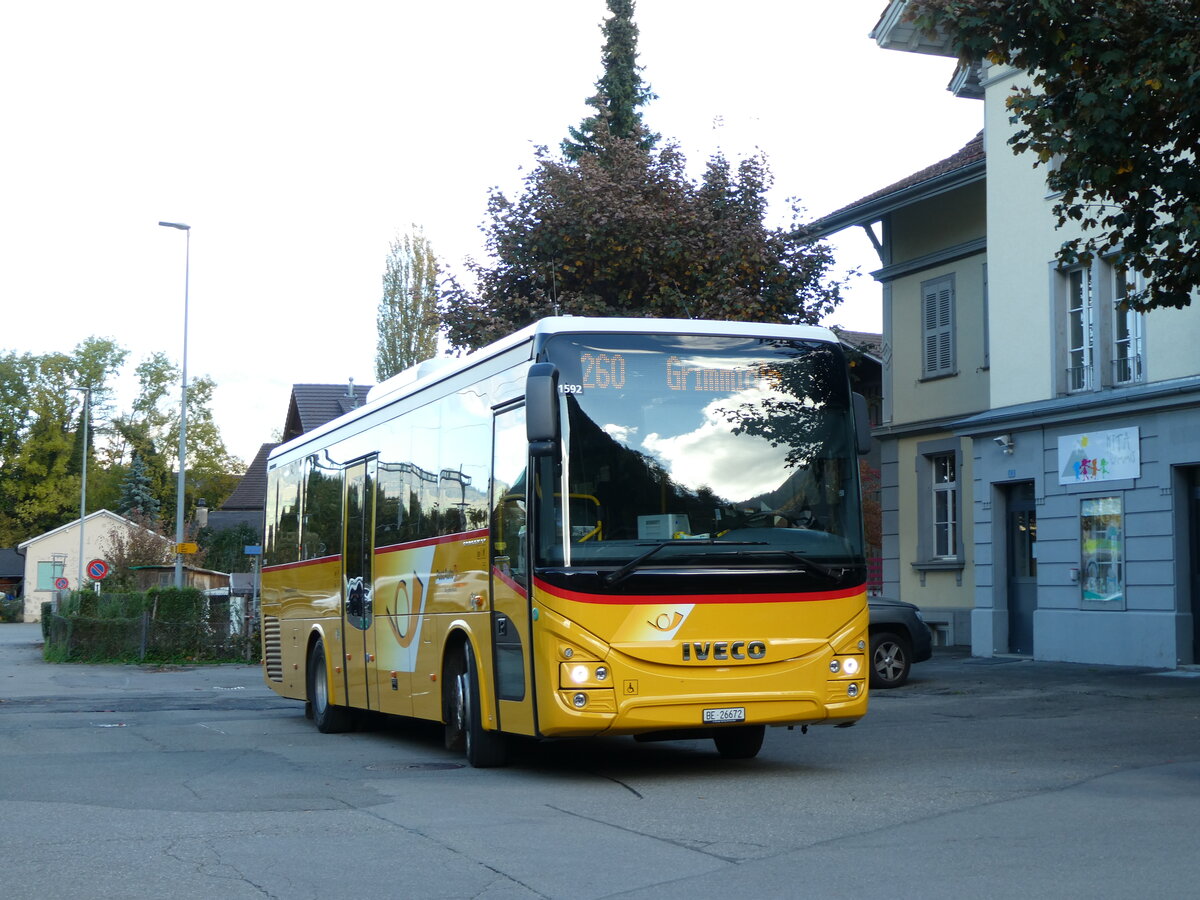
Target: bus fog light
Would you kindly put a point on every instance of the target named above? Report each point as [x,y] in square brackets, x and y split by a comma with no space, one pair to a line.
[834,666]
[852,690]
[579,674]
[580,700]
[601,673]
[850,666]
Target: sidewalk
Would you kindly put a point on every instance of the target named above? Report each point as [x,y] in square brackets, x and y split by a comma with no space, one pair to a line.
[24,675]
[953,669]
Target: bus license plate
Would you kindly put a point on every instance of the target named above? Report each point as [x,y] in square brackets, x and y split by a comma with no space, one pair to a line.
[726,714]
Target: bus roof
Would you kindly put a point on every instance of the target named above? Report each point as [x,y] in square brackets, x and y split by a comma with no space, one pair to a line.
[431,371]
[594,325]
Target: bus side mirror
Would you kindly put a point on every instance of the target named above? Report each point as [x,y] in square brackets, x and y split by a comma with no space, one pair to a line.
[862,424]
[541,409]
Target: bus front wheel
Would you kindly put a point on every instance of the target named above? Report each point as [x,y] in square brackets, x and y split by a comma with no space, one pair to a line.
[464,719]
[740,742]
[329,719]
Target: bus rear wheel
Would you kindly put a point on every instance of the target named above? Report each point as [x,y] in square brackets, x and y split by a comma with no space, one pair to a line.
[329,719]
[741,742]
[464,718]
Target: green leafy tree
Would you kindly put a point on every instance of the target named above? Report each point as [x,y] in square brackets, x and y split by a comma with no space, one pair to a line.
[18,374]
[144,431]
[38,492]
[225,550]
[41,441]
[620,93]
[627,233]
[1114,107]
[407,321]
[85,430]
[150,431]
[213,472]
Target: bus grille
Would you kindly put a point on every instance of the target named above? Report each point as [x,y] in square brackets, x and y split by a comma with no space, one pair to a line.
[272,648]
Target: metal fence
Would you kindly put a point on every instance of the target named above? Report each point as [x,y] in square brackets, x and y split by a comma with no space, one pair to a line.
[139,628]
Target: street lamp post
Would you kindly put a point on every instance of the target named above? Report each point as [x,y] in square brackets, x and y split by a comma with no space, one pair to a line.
[179,485]
[87,408]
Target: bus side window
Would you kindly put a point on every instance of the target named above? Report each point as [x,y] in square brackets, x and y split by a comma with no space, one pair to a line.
[508,538]
[509,519]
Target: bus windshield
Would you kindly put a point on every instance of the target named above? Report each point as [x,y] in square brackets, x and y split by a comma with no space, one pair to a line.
[704,450]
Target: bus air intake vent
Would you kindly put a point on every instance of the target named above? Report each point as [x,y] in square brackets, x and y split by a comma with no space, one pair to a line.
[272,648]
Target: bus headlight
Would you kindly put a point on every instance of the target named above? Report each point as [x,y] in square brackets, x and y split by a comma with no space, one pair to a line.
[847,665]
[590,674]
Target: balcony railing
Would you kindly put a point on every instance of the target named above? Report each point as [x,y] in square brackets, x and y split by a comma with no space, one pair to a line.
[1128,369]
[1079,378]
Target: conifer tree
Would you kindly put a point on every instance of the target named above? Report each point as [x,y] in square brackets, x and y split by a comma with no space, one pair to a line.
[620,93]
[137,492]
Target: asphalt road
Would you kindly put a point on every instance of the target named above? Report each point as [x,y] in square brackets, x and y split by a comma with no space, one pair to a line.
[981,778]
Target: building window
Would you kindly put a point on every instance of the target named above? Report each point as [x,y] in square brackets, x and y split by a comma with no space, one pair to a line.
[937,327]
[1080,330]
[939,520]
[987,338]
[945,505]
[1127,328]
[47,572]
[1102,553]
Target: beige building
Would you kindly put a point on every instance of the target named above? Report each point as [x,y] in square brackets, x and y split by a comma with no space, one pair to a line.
[930,231]
[1040,439]
[53,561]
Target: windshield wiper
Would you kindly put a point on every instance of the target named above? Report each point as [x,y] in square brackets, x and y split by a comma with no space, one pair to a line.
[620,574]
[820,568]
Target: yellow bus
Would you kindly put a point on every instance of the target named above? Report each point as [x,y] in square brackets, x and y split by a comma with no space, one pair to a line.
[592,527]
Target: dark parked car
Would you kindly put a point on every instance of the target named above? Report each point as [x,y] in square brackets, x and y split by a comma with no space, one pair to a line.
[899,638]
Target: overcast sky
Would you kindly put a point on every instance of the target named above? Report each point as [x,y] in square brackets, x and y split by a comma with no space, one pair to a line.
[298,138]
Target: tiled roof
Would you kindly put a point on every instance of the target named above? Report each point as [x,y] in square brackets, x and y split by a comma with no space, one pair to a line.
[865,341]
[312,405]
[252,489]
[971,154]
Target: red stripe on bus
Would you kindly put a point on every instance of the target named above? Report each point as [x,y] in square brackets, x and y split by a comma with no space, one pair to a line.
[430,542]
[659,599]
[304,562]
[508,580]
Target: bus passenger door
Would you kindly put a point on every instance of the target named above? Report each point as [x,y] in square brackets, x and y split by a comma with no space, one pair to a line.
[358,619]
[511,633]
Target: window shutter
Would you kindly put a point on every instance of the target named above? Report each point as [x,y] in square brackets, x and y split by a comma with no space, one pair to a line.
[937,313]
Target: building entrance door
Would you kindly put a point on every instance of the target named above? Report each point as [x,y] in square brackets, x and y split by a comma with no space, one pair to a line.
[1022,566]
